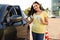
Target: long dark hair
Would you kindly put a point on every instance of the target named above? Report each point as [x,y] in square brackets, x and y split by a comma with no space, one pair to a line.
[32,11]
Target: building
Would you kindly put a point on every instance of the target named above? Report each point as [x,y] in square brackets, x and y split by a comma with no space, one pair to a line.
[56,7]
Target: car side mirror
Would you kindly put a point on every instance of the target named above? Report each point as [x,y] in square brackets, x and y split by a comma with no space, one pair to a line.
[15,18]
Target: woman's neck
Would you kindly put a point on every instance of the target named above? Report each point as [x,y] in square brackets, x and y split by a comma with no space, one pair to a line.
[38,12]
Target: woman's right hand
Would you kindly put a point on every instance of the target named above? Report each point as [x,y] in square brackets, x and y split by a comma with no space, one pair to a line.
[30,20]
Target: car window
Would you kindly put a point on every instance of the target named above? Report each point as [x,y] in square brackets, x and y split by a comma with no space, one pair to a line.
[12,11]
[18,10]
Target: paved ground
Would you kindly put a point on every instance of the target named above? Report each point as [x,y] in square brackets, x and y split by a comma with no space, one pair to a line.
[53,29]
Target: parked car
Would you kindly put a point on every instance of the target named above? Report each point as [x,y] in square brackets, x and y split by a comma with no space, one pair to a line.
[10,18]
[52,16]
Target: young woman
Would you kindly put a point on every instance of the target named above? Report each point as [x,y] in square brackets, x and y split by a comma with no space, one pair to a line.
[39,18]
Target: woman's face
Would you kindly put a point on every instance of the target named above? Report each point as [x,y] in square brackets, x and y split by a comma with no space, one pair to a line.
[36,6]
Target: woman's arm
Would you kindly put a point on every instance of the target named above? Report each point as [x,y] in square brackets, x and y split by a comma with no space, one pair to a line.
[45,21]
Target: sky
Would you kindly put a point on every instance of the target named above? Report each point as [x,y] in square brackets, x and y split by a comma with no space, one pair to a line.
[27,3]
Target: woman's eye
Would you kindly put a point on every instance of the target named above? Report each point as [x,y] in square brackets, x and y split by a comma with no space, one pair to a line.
[35,5]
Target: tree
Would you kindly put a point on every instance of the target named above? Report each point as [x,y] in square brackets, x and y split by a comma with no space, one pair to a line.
[27,10]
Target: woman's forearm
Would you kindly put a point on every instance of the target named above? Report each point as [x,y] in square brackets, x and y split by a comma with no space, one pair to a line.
[45,22]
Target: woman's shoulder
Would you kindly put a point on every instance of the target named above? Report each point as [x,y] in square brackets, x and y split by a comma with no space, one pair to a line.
[44,12]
